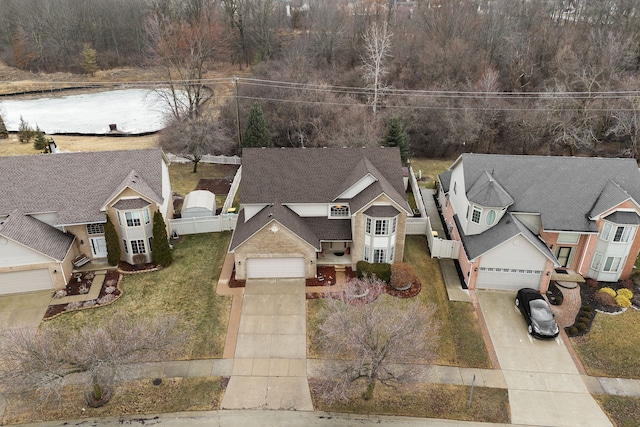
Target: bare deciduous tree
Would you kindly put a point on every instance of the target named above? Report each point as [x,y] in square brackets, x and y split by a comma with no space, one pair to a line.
[377,42]
[385,341]
[34,363]
[194,137]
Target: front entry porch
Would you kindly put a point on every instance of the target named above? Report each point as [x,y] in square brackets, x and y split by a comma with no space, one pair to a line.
[335,253]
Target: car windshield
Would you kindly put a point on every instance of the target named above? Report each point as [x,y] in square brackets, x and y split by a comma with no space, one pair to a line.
[540,310]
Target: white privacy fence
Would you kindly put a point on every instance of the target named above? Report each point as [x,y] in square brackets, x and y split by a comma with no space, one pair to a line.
[210,224]
[417,225]
[207,158]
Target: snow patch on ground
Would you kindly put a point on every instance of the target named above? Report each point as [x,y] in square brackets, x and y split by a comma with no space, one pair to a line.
[132,110]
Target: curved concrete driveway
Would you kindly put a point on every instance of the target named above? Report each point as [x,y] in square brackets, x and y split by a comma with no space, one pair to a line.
[545,387]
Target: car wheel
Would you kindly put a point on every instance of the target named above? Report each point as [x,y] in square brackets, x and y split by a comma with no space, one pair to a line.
[530,329]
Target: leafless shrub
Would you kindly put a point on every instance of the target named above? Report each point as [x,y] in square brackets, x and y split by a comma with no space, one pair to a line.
[60,294]
[74,305]
[106,299]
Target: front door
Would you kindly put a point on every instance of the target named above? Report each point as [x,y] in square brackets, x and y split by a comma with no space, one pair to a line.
[564,255]
[98,247]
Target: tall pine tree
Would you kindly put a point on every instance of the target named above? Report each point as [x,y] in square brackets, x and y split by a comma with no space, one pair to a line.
[113,243]
[397,137]
[257,133]
[89,61]
[3,129]
[160,251]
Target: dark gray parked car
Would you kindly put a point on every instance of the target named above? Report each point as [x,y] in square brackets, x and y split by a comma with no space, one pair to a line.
[537,313]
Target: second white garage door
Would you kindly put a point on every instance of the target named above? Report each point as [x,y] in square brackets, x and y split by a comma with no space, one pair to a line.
[275,267]
[25,281]
[507,279]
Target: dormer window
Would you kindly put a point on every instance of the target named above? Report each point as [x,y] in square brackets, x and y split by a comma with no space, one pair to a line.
[491,217]
[339,211]
[133,218]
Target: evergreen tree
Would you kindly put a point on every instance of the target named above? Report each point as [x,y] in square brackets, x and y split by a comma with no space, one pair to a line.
[113,243]
[160,251]
[39,142]
[89,62]
[25,131]
[396,136]
[4,134]
[257,133]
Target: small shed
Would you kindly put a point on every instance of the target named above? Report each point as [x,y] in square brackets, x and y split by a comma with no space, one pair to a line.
[199,203]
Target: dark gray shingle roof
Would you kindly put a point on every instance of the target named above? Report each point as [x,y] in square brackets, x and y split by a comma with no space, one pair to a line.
[37,235]
[486,191]
[382,211]
[623,217]
[564,190]
[125,204]
[76,185]
[317,175]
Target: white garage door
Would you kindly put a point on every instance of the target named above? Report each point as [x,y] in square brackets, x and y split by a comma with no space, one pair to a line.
[507,279]
[275,267]
[25,281]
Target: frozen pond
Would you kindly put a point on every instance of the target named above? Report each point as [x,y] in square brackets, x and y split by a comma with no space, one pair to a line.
[132,110]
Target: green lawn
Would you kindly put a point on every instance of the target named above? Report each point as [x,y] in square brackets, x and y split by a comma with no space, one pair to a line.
[461,342]
[610,349]
[430,169]
[186,289]
[183,180]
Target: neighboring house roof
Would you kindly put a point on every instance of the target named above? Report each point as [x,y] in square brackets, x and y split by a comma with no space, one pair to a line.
[508,227]
[36,235]
[77,185]
[445,180]
[319,175]
[566,191]
[312,230]
[486,191]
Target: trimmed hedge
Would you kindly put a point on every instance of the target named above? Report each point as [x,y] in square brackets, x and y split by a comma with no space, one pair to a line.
[381,270]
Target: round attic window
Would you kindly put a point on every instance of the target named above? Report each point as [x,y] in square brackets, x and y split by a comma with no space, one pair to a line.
[491,217]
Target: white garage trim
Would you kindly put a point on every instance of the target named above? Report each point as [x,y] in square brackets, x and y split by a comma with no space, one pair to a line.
[14,282]
[507,279]
[275,267]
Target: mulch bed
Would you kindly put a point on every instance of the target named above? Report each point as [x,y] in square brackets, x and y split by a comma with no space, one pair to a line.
[590,287]
[111,279]
[127,268]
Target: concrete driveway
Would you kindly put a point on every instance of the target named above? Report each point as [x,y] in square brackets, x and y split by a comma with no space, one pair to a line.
[26,309]
[270,362]
[545,387]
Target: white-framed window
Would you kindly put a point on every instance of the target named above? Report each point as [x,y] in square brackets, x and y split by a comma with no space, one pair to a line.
[391,250]
[367,228]
[137,247]
[455,187]
[491,217]
[379,255]
[126,248]
[146,216]
[339,211]
[612,264]
[475,215]
[394,224]
[606,231]
[571,238]
[95,228]
[382,227]
[150,243]
[596,261]
[133,218]
[366,253]
[622,234]
[119,219]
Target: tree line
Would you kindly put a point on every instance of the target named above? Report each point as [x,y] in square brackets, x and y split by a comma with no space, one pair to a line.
[568,69]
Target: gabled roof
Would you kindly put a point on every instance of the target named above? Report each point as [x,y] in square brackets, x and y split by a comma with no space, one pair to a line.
[445,180]
[508,228]
[312,230]
[623,217]
[318,175]
[610,196]
[77,185]
[486,191]
[564,190]
[36,235]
